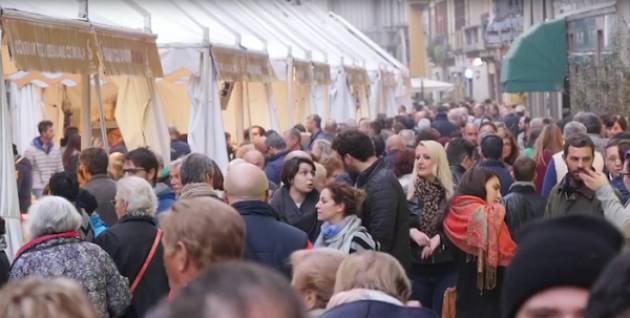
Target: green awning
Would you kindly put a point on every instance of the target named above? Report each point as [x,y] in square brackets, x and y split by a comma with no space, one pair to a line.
[537,60]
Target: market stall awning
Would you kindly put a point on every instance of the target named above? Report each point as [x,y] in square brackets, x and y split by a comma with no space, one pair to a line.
[423,85]
[537,61]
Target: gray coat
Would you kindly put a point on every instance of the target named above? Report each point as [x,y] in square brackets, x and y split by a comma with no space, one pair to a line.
[103,188]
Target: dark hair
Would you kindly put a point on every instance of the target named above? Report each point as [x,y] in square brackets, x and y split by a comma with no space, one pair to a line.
[354,143]
[261,130]
[350,197]
[403,162]
[86,201]
[15,152]
[274,140]
[610,295]
[69,131]
[473,182]
[623,146]
[592,123]
[492,147]
[579,141]
[95,160]
[524,169]
[295,133]
[488,123]
[611,120]
[144,158]
[217,178]
[379,145]
[43,125]
[227,290]
[457,149]
[246,134]
[73,142]
[514,154]
[317,120]
[300,128]
[291,167]
[65,185]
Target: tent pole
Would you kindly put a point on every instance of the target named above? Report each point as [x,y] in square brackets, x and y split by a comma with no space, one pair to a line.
[290,103]
[86,125]
[249,106]
[206,82]
[101,115]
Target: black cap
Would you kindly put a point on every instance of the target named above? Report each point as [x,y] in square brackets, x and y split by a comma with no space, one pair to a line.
[566,251]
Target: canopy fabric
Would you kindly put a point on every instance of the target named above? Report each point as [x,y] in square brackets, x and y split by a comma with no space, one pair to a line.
[419,85]
[9,204]
[342,105]
[49,45]
[205,120]
[127,54]
[26,107]
[237,65]
[139,115]
[537,60]
[357,76]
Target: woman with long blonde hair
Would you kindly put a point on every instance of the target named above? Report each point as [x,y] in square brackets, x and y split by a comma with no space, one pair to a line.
[433,267]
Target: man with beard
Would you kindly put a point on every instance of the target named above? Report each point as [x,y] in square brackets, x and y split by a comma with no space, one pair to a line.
[385,213]
[571,195]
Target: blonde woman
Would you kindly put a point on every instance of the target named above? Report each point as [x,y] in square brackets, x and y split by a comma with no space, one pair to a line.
[372,284]
[433,268]
[314,274]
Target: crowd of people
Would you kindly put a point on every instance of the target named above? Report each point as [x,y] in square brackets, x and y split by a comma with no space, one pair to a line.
[460,210]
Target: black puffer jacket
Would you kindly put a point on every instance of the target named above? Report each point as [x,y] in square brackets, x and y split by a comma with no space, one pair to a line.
[522,205]
[385,213]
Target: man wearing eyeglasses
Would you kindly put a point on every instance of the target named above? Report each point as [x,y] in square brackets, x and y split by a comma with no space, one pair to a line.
[143,163]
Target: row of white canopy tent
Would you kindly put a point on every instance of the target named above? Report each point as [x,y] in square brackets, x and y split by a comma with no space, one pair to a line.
[226,65]
[42,48]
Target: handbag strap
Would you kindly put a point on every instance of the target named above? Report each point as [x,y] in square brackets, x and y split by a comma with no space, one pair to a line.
[147,261]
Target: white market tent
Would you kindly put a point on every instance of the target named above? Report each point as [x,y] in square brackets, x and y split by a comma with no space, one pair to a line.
[299,45]
[419,85]
[44,48]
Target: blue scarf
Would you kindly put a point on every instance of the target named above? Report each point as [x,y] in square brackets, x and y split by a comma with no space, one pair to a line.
[330,230]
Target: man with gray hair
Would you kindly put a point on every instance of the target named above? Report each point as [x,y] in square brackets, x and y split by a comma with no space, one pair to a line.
[293,139]
[557,168]
[593,125]
[276,156]
[129,241]
[196,173]
[409,138]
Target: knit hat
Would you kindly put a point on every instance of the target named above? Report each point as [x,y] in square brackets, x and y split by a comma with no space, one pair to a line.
[566,251]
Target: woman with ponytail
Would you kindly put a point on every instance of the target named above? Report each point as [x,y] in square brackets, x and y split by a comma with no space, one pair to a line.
[474,224]
[338,208]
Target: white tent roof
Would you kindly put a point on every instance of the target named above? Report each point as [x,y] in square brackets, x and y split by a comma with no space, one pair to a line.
[427,85]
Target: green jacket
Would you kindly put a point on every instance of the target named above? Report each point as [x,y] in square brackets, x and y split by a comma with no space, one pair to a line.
[582,200]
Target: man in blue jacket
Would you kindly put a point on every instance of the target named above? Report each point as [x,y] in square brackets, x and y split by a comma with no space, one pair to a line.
[268,241]
[491,150]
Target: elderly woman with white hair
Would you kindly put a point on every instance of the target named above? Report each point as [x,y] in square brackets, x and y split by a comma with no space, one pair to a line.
[134,244]
[56,250]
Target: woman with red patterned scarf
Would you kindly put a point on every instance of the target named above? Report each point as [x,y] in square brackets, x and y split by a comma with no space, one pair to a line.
[474,224]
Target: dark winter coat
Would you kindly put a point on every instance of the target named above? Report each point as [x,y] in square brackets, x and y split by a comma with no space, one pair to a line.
[385,213]
[304,217]
[522,205]
[443,125]
[273,168]
[269,241]
[562,201]
[443,256]
[377,309]
[470,301]
[128,243]
[502,172]
[24,182]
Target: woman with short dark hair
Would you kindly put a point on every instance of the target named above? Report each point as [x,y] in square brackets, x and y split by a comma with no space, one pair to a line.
[295,201]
